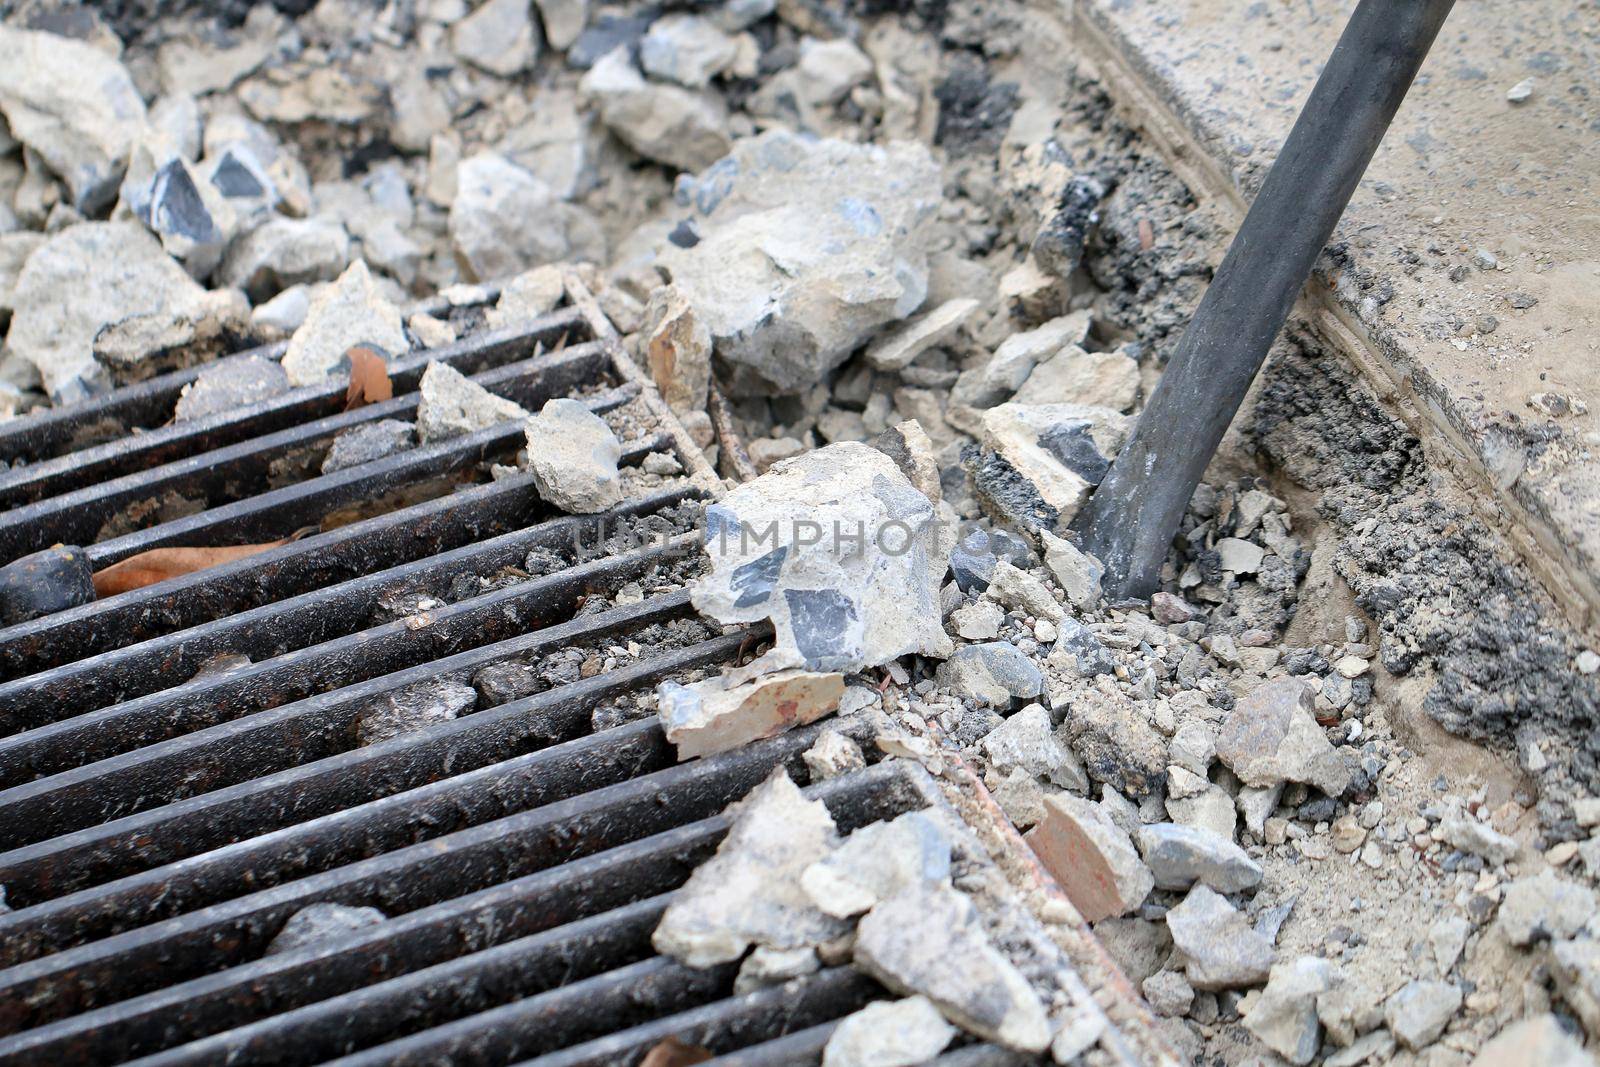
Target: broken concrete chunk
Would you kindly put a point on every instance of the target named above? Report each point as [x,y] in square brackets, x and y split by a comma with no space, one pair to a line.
[712,716]
[1027,740]
[878,861]
[889,1033]
[1469,835]
[749,892]
[833,754]
[1576,968]
[316,924]
[678,351]
[1420,1011]
[368,442]
[908,943]
[73,105]
[416,707]
[1285,1017]
[1544,905]
[194,221]
[979,621]
[806,248]
[505,220]
[1021,591]
[1016,357]
[1220,949]
[1093,860]
[686,49]
[1112,736]
[117,273]
[529,295]
[573,456]
[1180,856]
[229,385]
[908,445]
[1073,376]
[684,129]
[1062,450]
[1271,736]
[1169,994]
[993,673]
[770,966]
[1077,572]
[499,37]
[451,405]
[283,253]
[1536,1042]
[839,550]
[900,347]
[350,312]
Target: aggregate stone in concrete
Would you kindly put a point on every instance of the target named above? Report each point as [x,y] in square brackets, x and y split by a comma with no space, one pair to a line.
[878,861]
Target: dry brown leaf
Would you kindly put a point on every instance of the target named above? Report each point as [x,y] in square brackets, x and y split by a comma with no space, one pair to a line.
[674,1053]
[160,564]
[369,377]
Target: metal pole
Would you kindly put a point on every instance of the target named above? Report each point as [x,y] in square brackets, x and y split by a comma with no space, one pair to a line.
[1131,519]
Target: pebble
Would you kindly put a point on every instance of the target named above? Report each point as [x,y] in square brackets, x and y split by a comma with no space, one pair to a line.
[1420,1011]
[994,673]
[1021,591]
[1521,92]
[889,1033]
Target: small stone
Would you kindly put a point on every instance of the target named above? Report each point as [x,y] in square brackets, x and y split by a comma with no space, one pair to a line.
[368,442]
[528,296]
[832,755]
[1021,797]
[1544,905]
[563,21]
[973,558]
[1347,834]
[350,312]
[229,385]
[749,892]
[1348,1009]
[1169,610]
[284,313]
[900,347]
[828,70]
[886,1033]
[1521,92]
[1179,856]
[452,405]
[414,708]
[712,716]
[1272,737]
[978,621]
[1469,835]
[1219,948]
[573,456]
[1093,860]
[1420,1011]
[431,332]
[1352,667]
[1239,556]
[1193,747]
[499,37]
[1077,1036]
[1114,739]
[991,673]
[1168,993]
[765,451]
[770,966]
[1073,376]
[1284,1017]
[908,445]
[1211,809]
[285,252]
[1077,572]
[501,683]
[317,924]
[686,49]
[1587,662]
[43,583]
[504,220]
[1020,590]
[1448,936]
[1044,632]
[908,941]
[1377,1046]
[878,861]
[681,128]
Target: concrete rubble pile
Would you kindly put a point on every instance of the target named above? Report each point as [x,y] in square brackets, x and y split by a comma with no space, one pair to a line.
[904,264]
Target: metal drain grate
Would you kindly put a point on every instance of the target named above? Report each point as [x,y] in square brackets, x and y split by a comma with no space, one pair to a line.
[159,828]
[160,822]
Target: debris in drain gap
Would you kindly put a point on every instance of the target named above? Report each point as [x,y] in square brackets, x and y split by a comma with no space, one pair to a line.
[573,456]
[840,551]
[713,716]
[889,1033]
[369,377]
[674,1052]
[749,893]
[162,564]
[316,924]
[230,385]
[416,707]
[45,582]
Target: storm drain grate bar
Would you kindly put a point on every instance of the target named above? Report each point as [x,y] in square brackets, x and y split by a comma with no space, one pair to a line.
[286,412]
